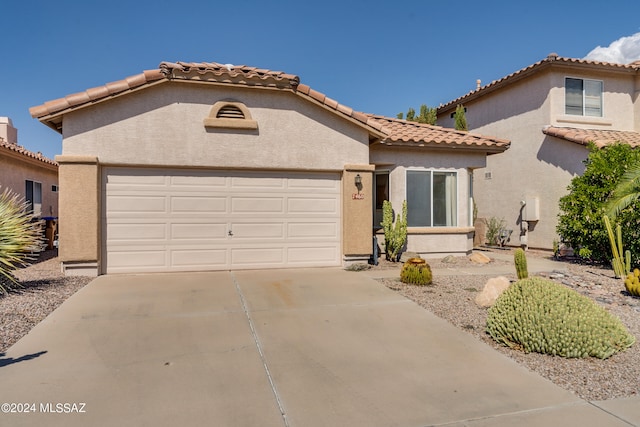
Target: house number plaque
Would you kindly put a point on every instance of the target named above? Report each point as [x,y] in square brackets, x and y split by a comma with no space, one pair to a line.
[357,196]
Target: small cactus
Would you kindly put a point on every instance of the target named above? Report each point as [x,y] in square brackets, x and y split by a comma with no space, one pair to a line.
[632,282]
[416,271]
[520,259]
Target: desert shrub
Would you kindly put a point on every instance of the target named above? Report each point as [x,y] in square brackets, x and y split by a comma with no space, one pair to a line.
[494,227]
[416,271]
[539,315]
[580,222]
[19,237]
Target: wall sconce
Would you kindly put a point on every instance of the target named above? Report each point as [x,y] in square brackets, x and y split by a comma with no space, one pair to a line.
[358,180]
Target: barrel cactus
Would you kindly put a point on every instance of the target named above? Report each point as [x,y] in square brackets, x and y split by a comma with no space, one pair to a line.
[632,282]
[416,271]
[520,260]
[539,315]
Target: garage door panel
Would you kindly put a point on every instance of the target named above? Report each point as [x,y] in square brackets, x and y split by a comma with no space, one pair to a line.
[136,203]
[182,220]
[202,204]
[312,205]
[257,205]
[200,259]
[317,230]
[137,232]
[257,230]
[198,231]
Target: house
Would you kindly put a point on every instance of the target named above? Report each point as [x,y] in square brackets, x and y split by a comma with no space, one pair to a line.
[31,175]
[205,166]
[549,111]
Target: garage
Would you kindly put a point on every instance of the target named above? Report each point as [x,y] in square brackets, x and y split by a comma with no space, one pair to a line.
[160,220]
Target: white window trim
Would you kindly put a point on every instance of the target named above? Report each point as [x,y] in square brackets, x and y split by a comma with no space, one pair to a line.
[583,97]
[418,169]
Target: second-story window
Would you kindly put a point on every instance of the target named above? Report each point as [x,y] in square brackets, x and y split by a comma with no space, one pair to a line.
[583,97]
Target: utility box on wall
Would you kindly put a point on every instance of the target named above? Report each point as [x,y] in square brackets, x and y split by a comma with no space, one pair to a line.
[531,211]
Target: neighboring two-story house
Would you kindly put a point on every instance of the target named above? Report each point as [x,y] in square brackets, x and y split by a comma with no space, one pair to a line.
[550,111]
[31,175]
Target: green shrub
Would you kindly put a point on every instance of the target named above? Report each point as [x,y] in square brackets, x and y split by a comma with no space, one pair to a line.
[581,211]
[395,236]
[539,315]
[19,237]
[494,227]
[520,260]
[416,271]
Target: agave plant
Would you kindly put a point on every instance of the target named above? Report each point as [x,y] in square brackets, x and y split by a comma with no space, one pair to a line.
[20,238]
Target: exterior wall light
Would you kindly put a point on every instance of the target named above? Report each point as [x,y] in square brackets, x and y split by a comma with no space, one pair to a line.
[358,180]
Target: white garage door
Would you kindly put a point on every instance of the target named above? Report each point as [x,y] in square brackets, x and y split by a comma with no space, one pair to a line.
[178,220]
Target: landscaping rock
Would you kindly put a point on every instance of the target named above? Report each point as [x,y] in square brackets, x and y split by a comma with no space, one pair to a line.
[491,291]
[479,258]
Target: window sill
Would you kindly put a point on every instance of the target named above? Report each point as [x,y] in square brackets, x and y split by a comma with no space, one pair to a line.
[231,123]
[584,120]
[439,230]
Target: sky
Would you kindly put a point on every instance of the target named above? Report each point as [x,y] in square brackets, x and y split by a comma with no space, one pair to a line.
[374,56]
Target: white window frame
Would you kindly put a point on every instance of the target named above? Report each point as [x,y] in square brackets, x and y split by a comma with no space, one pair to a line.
[456,201]
[33,197]
[584,97]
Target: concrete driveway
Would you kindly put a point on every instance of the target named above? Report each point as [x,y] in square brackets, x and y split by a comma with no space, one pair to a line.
[307,347]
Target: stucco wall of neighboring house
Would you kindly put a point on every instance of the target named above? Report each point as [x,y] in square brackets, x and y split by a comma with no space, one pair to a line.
[432,241]
[163,125]
[16,168]
[536,165]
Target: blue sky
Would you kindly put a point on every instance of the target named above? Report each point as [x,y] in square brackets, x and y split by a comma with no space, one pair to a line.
[375,56]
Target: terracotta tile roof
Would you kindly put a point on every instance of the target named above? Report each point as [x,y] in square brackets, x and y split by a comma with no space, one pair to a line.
[9,147]
[413,134]
[551,60]
[391,131]
[599,137]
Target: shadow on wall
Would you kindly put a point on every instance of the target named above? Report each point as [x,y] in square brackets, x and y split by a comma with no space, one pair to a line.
[565,155]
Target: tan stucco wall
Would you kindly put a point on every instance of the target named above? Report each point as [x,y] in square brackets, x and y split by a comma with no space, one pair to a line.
[357,211]
[14,173]
[536,165]
[163,125]
[436,240]
[79,213]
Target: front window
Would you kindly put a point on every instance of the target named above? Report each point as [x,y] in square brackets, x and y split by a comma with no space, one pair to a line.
[583,97]
[431,199]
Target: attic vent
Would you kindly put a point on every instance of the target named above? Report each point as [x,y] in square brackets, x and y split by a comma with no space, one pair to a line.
[230,115]
[230,112]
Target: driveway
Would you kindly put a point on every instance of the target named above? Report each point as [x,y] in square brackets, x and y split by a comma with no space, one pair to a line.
[306,347]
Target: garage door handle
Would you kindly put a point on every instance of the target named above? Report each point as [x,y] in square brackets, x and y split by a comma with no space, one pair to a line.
[230,233]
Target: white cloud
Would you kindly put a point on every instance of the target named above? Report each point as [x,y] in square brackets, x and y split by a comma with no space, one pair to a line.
[622,51]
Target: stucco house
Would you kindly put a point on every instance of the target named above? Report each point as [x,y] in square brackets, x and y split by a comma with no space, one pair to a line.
[31,175]
[549,111]
[205,166]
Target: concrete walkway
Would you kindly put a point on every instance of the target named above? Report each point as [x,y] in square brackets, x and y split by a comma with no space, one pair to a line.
[307,347]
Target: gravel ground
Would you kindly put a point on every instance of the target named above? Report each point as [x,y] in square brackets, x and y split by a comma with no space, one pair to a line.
[44,288]
[453,299]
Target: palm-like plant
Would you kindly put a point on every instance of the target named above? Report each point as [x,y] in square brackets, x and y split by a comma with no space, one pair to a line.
[19,236]
[626,191]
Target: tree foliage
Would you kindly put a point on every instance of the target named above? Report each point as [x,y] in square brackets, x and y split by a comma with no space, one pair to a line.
[460,119]
[427,115]
[581,211]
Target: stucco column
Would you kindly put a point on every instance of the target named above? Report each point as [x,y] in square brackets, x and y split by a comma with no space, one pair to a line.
[357,213]
[79,214]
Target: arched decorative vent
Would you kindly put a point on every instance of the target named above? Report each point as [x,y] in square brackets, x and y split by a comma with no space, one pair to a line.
[230,114]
